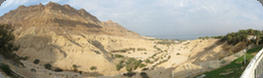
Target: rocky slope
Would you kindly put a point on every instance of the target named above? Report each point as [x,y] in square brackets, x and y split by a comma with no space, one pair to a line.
[83,46]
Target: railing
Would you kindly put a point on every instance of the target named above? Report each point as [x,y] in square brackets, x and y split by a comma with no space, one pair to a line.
[255,67]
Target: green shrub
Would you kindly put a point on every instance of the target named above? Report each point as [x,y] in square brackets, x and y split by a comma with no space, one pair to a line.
[75,67]
[5,68]
[133,64]
[141,49]
[33,70]
[58,70]
[166,42]
[97,52]
[7,46]
[36,61]
[120,65]
[144,75]
[118,56]
[144,69]
[157,48]
[242,36]
[48,66]
[124,50]
[178,54]
[142,65]
[93,68]
[147,61]
[130,64]
[129,74]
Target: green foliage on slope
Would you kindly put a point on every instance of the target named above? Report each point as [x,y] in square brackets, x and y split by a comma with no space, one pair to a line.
[7,46]
[243,36]
[235,68]
[130,64]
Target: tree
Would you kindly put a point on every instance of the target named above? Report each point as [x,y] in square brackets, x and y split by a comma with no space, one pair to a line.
[48,66]
[93,68]
[75,67]
[7,46]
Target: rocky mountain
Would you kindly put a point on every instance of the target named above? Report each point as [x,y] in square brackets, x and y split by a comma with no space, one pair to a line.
[62,42]
[62,16]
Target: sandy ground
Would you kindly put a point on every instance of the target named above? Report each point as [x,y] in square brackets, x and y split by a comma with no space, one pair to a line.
[86,51]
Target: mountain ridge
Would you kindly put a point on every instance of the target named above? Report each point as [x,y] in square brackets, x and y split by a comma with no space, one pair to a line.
[62,16]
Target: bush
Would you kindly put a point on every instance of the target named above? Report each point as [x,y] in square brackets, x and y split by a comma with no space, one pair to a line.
[7,46]
[5,68]
[178,54]
[141,49]
[36,61]
[124,50]
[118,56]
[33,70]
[48,66]
[97,52]
[242,36]
[147,61]
[166,42]
[75,67]
[144,69]
[93,68]
[157,48]
[120,65]
[142,65]
[144,75]
[133,64]
[58,70]
[129,74]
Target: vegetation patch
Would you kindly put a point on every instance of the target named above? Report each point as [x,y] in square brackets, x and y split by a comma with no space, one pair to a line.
[166,42]
[141,49]
[33,70]
[120,65]
[58,70]
[75,67]
[207,37]
[148,61]
[6,69]
[124,50]
[48,66]
[235,68]
[248,36]
[133,64]
[7,47]
[162,62]
[157,48]
[129,74]
[36,61]
[130,64]
[118,56]
[97,52]
[93,68]
[144,75]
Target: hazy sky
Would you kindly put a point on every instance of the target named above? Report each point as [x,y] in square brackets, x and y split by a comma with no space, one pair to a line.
[181,19]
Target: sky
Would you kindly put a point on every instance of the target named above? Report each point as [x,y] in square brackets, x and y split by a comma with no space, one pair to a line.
[173,19]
